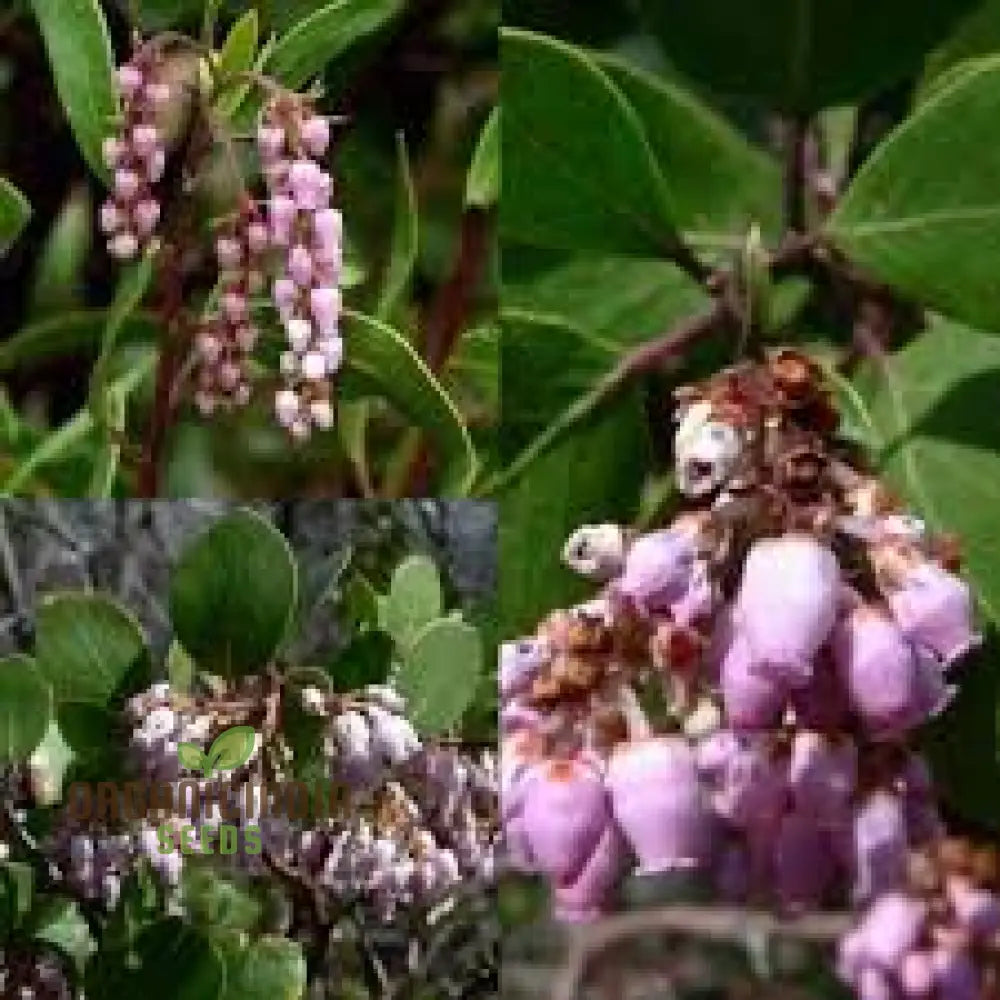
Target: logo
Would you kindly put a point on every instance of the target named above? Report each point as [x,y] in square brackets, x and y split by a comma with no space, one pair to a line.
[230,750]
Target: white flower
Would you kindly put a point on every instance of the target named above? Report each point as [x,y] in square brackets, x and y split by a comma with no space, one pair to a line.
[596,551]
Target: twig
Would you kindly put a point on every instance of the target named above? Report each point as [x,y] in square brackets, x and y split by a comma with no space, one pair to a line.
[714,923]
[796,138]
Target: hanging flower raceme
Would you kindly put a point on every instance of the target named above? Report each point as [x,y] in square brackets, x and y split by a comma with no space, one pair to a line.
[288,242]
[136,155]
[800,626]
[307,233]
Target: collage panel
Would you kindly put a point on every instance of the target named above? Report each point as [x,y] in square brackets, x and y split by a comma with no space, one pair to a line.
[247,751]
[748,670]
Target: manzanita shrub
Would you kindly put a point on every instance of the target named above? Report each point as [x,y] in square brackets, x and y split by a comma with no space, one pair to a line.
[232,823]
[749,341]
[250,299]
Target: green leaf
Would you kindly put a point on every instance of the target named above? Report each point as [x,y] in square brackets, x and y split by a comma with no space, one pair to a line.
[482,186]
[215,902]
[380,361]
[180,668]
[315,42]
[191,756]
[86,645]
[719,184]
[105,472]
[937,440]
[440,674]
[57,286]
[977,34]
[800,55]
[177,962]
[14,214]
[593,310]
[233,593]
[593,475]
[70,334]
[405,240]
[79,49]
[415,598]
[271,968]
[917,223]
[240,47]
[24,708]
[65,438]
[59,922]
[17,891]
[578,171]
[232,748]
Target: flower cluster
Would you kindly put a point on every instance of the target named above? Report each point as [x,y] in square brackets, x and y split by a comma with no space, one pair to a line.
[227,337]
[932,936]
[307,232]
[137,156]
[799,624]
[417,823]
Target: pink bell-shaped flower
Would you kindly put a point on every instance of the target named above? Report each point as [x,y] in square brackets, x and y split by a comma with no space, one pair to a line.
[880,846]
[934,609]
[752,700]
[877,666]
[568,825]
[658,569]
[787,604]
[822,775]
[659,805]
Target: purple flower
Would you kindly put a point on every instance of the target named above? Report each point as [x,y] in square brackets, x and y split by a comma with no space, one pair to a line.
[916,974]
[880,846]
[659,805]
[571,835]
[822,775]
[934,609]
[658,569]
[891,928]
[877,666]
[752,701]
[955,975]
[787,604]
[976,909]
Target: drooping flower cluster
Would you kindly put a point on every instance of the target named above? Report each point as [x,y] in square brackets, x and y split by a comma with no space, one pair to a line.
[933,936]
[800,625]
[227,336]
[136,155]
[410,824]
[307,231]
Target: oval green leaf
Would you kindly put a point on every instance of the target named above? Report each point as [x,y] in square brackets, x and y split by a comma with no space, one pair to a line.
[14,214]
[578,172]
[86,645]
[415,598]
[380,361]
[79,49]
[24,708]
[317,40]
[440,674]
[919,224]
[177,962]
[800,55]
[232,748]
[233,593]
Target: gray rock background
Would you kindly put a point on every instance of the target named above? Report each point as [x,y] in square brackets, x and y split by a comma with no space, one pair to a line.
[126,548]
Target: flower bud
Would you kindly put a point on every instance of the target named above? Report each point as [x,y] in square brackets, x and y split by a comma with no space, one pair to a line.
[877,666]
[520,663]
[934,609]
[802,862]
[596,551]
[658,803]
[658,569]
[787,604]
[880,846]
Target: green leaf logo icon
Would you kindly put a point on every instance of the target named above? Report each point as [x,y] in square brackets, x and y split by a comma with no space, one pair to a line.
[230,749]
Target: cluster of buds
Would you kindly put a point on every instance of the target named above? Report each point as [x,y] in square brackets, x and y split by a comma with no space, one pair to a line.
[800,626]
[227,337]
[307,232]
[136,155]
[935,936]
